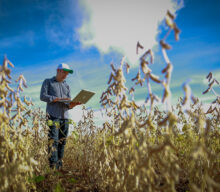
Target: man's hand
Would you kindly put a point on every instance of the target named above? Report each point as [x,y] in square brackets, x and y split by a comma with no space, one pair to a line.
[73,104]
[60,99]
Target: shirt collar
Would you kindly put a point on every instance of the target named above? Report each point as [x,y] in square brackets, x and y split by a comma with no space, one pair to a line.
[54,79]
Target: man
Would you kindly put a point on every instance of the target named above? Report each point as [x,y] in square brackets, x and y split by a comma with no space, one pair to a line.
[53,91]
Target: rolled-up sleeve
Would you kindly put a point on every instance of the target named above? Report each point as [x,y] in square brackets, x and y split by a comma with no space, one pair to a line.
[44,92]
[68,96]
[68,93]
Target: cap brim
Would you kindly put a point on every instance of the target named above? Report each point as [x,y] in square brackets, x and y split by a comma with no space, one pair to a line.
[69,70]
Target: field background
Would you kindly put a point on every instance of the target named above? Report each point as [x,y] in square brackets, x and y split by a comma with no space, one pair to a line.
[153,124]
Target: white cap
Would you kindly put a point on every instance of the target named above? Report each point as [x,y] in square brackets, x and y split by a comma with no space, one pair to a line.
[65,67]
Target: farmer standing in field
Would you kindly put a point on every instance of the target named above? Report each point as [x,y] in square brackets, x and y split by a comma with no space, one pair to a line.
[53,91]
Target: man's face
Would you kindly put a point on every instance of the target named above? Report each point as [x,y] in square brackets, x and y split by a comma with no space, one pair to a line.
[62,74]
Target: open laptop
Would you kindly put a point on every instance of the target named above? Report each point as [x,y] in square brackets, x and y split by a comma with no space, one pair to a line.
[83,97]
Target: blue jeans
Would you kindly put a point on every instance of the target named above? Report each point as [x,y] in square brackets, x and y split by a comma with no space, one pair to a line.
[56,141]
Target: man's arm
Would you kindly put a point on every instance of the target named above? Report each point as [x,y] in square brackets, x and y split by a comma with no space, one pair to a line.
[44,93]
[68,93]
[73,104]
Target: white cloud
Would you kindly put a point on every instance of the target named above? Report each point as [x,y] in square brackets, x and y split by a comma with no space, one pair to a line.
[75,114]
[119,24]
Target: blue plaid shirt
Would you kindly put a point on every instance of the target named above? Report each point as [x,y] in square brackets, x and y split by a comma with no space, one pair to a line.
[52,89]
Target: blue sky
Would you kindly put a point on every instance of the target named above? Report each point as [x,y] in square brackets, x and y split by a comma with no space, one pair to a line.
[37,35]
